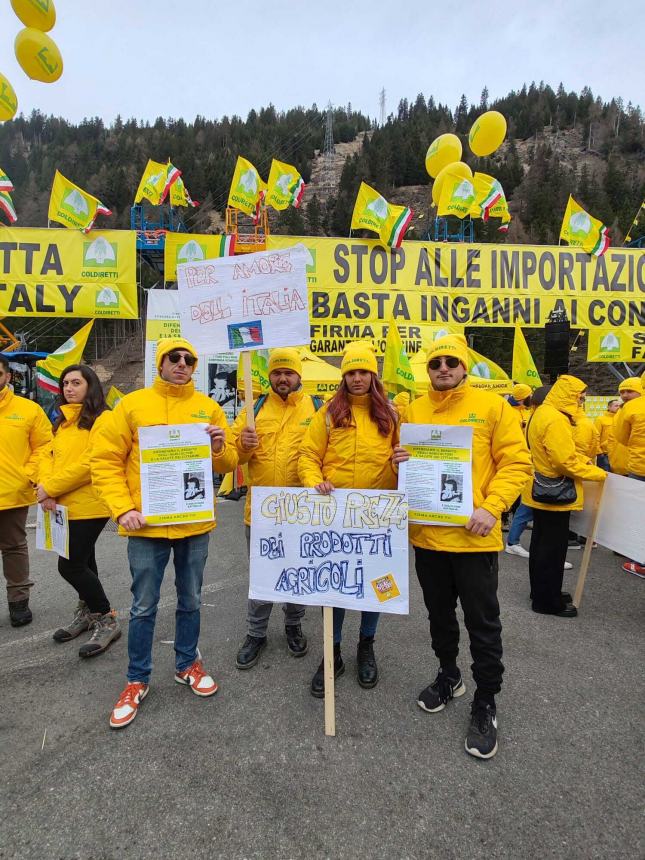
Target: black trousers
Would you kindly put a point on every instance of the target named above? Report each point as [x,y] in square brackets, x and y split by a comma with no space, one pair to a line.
[471,577]
[80,568]
[549,541]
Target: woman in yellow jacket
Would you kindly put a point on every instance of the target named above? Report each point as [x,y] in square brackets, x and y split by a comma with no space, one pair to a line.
[550,436]
[604,425]
[65,479]
[349,443]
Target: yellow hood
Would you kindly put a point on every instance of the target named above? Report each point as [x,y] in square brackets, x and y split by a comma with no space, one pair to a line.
[565,394]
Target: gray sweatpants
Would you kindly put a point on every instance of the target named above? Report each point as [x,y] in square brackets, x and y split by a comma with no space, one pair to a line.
[259,611]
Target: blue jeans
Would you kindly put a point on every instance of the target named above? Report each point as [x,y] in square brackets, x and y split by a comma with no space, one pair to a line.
[522,516]
[603,461]
[148,558]
[369,622]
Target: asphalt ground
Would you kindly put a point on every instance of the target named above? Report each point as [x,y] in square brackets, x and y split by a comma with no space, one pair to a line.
[249,772]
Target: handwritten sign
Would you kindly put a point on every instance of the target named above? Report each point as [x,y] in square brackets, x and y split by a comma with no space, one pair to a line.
[348,549]
[620,515]
[255,301]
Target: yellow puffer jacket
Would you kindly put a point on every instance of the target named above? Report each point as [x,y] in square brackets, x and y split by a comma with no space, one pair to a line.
[629,430]
[522,413]
[25,435]
[551,441]
[65,471]
[114,455]
[585,436]
[500,461]
[281,426]
[603,425]
[618,454]
[354,456]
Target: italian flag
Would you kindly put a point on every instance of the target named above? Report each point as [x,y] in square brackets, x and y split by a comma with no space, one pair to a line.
[298,191]
[604,241]
[6,206]
[493,197]
[226,246]
[45,379]
[400,226]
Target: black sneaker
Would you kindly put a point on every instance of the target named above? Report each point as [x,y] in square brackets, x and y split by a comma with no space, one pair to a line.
[296,640]
[573,544]
[442,689]
[481,740]
[20,613]
[318,681]
[249,653]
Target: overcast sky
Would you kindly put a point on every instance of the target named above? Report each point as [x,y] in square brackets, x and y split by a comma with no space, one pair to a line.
[143,59]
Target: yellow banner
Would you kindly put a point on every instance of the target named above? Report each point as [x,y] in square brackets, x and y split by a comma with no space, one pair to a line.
[356,286]
[190,247]
[616,345]
[62,273]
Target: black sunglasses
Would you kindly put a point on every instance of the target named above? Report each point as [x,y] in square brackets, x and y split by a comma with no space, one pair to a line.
[450,361]
[175,358]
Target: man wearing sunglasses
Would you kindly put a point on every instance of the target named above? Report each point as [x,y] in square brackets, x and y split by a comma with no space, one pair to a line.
[461,562]
[171,399]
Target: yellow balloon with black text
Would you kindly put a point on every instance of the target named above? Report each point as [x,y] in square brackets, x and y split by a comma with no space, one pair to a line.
[8,100]
[38,55]
[487,133]
[458,167]
[40,14]
[445,149]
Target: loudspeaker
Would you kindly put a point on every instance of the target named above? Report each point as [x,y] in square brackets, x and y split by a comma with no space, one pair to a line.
[556,348]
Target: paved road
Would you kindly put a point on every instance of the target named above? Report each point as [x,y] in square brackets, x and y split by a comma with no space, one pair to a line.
[249,773]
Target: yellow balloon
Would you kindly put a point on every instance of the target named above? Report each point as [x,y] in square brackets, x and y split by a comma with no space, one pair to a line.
[38,55]
[458,167]
[8,100]
[40,14]
[487,133]
[445,149]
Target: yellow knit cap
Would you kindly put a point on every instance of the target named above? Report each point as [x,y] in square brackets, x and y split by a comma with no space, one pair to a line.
[521,391]
[168,344]
[633,383]
[451,344]
[285,358]
[359,356]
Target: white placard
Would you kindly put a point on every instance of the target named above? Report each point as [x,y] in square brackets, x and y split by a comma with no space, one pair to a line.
[176,474]
[438,476]
[254,301]
[620,515]
[348,549]
[52,530]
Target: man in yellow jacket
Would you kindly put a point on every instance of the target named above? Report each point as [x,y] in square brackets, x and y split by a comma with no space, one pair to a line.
[25,434]
[604,425]
[629,431]
[461,562]
[114,461]
[520,400]
[271,452]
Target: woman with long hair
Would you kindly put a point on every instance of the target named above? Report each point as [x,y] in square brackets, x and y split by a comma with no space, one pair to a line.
[349,444]
[65,480]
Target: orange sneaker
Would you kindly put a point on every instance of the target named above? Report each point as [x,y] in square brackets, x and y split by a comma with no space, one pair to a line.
[126,708]
[199,681]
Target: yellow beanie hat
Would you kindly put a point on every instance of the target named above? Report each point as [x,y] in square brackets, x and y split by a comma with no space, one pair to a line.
[359,356]
[521,391]
[285,358]
[168,344]
[633,383]
[451,344]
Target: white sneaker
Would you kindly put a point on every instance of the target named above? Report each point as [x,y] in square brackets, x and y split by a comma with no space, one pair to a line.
[568,565]
[516,549]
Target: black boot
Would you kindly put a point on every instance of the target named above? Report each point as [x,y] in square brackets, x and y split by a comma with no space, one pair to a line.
[318,680]
[367,668]
[250,652]
[20,613]
[296,640]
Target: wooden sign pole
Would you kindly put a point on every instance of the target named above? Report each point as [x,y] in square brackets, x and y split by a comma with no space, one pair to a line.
[328,658]
[248,389]
[586,555]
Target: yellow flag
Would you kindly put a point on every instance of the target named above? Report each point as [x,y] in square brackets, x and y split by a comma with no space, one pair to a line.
[247,189]
[524,369]
[179,195]
[113,396]
[72,207]
[373,212]
[484,368]
[581,230]
[457,195]
[259,371]
[397,373]
[48,370]
[488,193]
[285,186]
[191,247]
[156,182]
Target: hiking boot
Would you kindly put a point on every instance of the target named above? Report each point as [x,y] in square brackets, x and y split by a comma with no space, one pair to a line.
[105,630]
[434,698]
[198,679]
[367,668]
[318,680]
[481,740]
[296,640]
[79,624]
[20,613]
[126,708]
[249,653]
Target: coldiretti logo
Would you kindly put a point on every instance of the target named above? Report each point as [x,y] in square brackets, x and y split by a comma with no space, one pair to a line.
[472,419]
[191,252]
[106,298]
[14,417]
[610,344]
[200,414]
[311,261]
[100,254]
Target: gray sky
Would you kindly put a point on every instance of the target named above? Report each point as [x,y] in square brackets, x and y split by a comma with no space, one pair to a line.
[146,58]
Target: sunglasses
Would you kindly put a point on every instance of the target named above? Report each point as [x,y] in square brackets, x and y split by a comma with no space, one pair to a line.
[175,358]
[450,361]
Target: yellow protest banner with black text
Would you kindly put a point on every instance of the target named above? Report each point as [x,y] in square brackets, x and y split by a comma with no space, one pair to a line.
[64,273]
[616,345]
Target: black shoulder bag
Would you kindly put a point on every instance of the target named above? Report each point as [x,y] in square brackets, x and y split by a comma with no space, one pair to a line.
[551,491]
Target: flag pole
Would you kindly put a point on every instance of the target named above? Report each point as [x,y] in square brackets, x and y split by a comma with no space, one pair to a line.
[328,659]
[248,389]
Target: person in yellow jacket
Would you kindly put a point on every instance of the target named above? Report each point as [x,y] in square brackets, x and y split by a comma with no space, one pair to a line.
[629,432]
[629,389]
[271,453]
[114,461]
[604,425]
[461,561]
[520,400]
[349,443]
[65,479]
[25,434]
[551,440]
